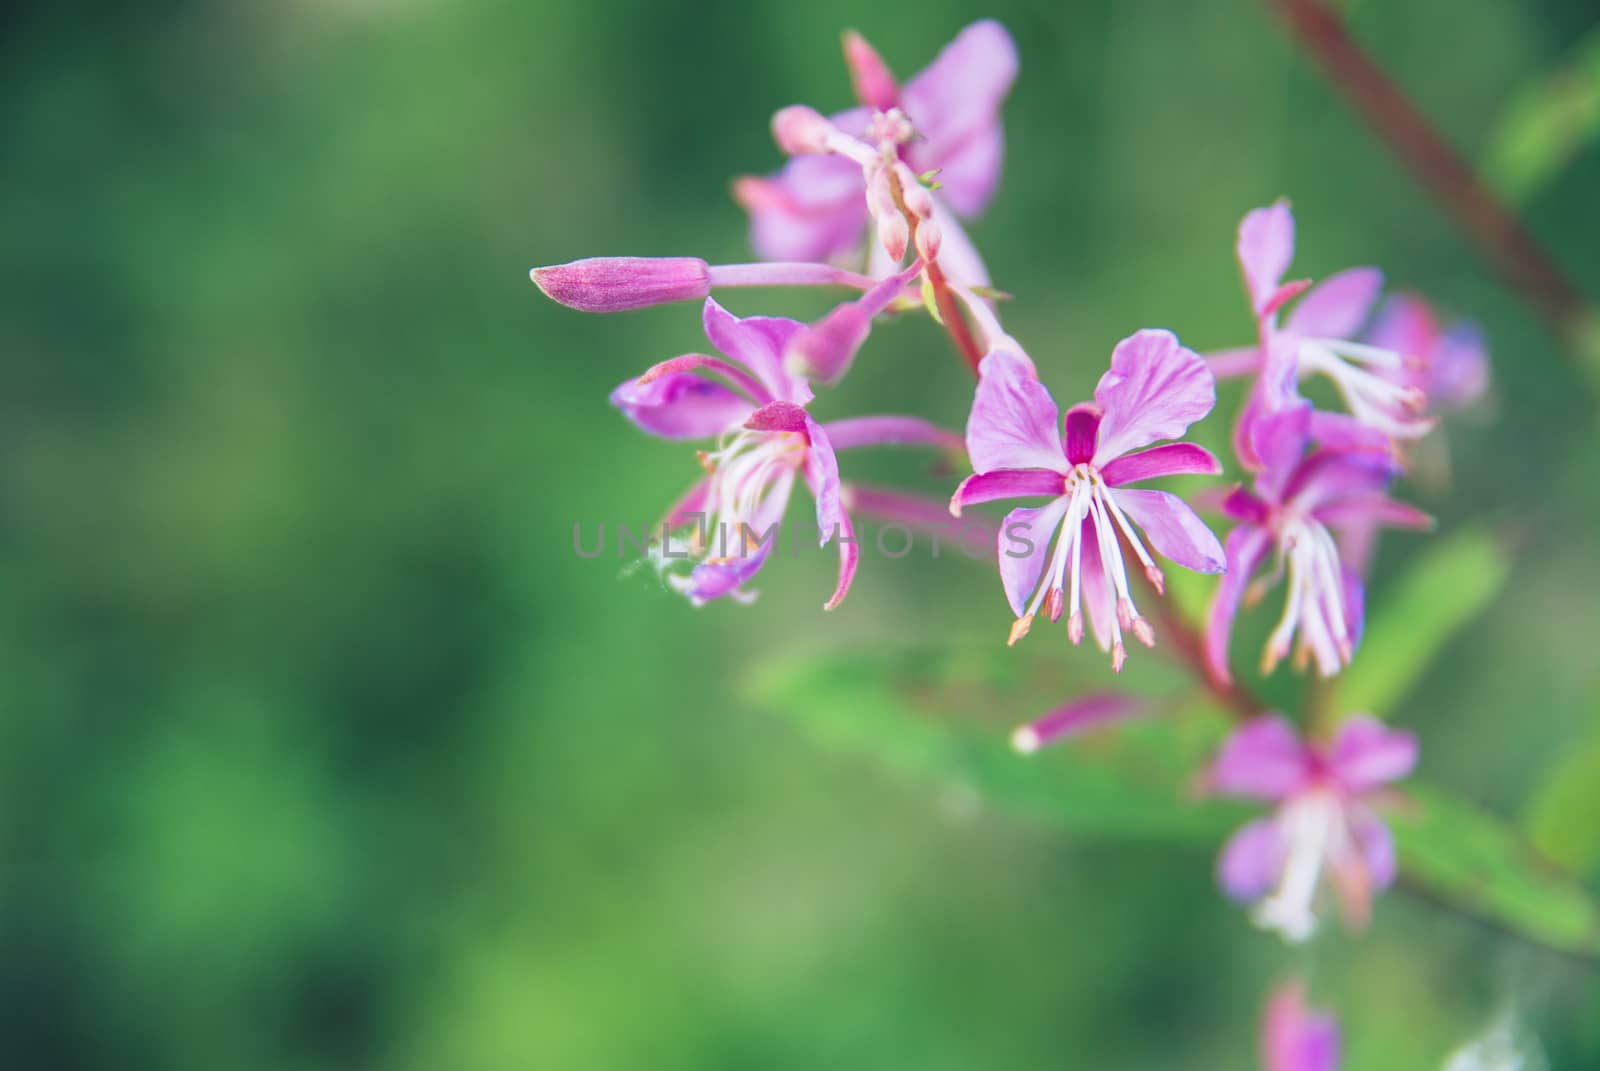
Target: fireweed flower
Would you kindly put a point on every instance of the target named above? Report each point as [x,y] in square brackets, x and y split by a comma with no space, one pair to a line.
[1318,338]
[754,409]
[945,118]
[1450,366]
[1295,1038]
[1324,826]
[1154,390]
[1297,498]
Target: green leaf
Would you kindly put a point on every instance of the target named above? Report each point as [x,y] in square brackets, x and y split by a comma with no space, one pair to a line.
[1563,817]
[945,718]
[1474,861]
[942,718]
[1449,585]
[930,300]
[1546,125]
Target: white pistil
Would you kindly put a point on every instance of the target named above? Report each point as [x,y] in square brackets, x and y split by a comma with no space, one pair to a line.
[1314,606]
[1310,827]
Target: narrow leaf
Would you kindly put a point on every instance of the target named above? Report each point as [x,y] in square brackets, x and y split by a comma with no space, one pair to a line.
[1563,817]
[1547,124]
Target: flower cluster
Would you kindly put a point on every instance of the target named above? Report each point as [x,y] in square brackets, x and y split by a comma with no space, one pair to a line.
[892,178]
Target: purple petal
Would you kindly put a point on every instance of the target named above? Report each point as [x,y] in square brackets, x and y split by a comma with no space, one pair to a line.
[1368,754]
[1241,505]
[1341,431]
[822,474]
[1078,716]
[955,104]
[1082,427]
[616,284]
[811,210]
[1264,758]
[1458,369]
[1371,512]
[1173,459]
[1173,529]
[740,560]
[1338,306]
[1252,861]
[1328,477]
[758,343]
[1026,539]
[1154,390]
[1375,842]
[1265,248]
[1278,441]
[681,406]
[1244,550]
[1355,604]
[1405,324]
[1014,419]
[1004,483]
[825,350]
[1098,598]
[849,558]
[1295,1039]
[890,431]
[1275,391]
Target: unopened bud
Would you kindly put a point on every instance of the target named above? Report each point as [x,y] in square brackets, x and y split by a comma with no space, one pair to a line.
[916,195]
[894,234]
[929,239]
[617,284]
[800,130]
[874,85]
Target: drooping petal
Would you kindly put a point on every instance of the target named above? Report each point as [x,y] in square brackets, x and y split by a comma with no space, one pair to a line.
[1173,529]
[954,102]
[1154,390]
[1246,546]
[759,343]
[681,405]
[1265,248]
[1252,860]
[849,558]
[1172,459]
[1278,441]
[1264,758]
[822,475]
[1368,754]
[1329,477]
[1004,483]
[813,209]
[1371,512]
[1014,419]
[1338,306]
[1026,539]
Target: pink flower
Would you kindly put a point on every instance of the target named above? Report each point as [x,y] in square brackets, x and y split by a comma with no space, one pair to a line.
[766,441]
[1154,390]
[1298,498]
[1318,337]
[945,118]
[1324,826]
[1295,1038]
[1451,366]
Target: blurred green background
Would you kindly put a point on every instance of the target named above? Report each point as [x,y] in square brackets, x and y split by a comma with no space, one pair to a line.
[320,748]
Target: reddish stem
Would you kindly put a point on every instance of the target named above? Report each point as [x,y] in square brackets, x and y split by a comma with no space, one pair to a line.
[1442,171]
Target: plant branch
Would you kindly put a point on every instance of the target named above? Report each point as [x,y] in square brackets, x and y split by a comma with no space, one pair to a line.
[1444,173]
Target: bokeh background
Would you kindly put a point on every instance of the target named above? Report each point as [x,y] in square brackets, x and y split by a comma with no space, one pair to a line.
[319,746]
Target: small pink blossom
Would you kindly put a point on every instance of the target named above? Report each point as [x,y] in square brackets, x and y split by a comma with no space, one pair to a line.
[1323,831]
[1020,448]
[1451,364]
[1295,1038]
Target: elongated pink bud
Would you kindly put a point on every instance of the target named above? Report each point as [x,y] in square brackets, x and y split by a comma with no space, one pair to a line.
[894,234]
[617,284]
[800,130]
[1078,716]
[916,195]
[929,239]
[869,75]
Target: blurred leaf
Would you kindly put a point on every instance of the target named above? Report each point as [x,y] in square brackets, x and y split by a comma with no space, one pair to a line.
[1471,859]
[937,716]
[932,716]
[1563,818]
[1546,125]
[1450,584]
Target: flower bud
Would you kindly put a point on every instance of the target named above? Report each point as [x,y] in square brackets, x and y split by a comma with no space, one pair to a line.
[800,130]
[869,75]
[894,234]
[929,238]
[915,194]
[616,284]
